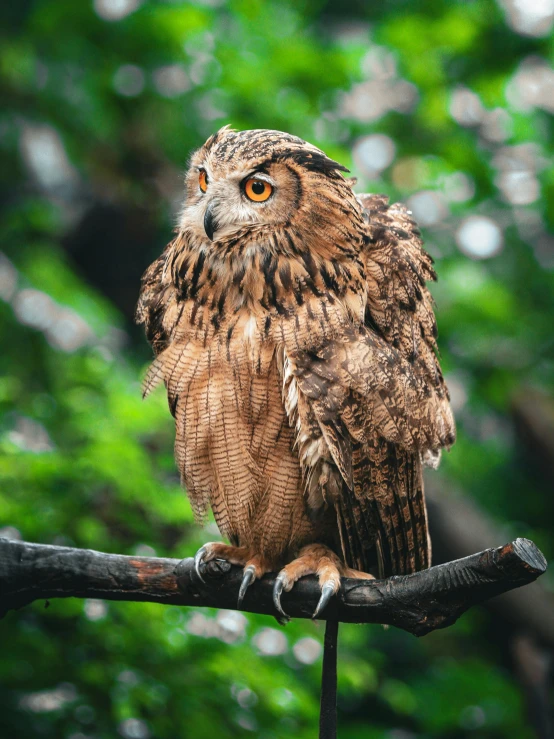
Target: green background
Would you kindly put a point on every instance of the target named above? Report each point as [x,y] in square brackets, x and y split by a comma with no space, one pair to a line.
[446,105]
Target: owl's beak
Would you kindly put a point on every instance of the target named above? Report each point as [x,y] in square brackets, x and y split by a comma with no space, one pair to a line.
[210,223]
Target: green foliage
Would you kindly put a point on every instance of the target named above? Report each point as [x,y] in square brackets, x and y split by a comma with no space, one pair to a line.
[100,110]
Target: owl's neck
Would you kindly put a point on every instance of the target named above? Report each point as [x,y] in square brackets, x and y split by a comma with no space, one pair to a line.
[264,273]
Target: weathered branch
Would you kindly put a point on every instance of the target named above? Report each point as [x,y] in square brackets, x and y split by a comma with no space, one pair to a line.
[418,603]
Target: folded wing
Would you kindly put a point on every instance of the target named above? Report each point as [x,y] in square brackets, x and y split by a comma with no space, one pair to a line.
[381,402]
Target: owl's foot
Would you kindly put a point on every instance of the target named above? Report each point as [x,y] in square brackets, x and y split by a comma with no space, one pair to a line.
[254,565]
[219,550]
[314,559]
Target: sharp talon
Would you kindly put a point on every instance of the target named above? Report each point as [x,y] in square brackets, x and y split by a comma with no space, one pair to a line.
[198,559]
[277,590]
[247,579]
[327,593]
[282,620]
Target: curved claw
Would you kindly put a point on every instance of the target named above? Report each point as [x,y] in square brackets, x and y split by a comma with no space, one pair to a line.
[327,592]
[277,590]
[198,559]
[247,579]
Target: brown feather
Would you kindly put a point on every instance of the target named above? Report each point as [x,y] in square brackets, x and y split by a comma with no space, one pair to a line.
[299,355]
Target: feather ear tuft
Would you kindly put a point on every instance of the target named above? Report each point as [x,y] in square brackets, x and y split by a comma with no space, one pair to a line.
[315,160]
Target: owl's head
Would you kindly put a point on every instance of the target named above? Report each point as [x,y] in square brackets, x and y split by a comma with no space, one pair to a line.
[255,181]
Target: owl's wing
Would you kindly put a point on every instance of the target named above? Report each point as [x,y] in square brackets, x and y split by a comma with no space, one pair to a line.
[159,309]
[157,305]
[399,305]
[381,401]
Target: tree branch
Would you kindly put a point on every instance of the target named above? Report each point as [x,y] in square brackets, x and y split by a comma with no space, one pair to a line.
[418,603]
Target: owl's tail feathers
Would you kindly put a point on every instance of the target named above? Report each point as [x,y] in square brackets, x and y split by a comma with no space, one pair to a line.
[383,520]
[403,543]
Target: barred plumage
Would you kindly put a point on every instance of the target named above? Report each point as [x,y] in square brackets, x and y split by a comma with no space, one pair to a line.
[298,348]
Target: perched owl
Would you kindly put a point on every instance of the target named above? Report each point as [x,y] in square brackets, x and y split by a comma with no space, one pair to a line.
[295,335]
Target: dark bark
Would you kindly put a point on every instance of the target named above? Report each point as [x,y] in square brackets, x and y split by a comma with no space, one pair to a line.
[418,603]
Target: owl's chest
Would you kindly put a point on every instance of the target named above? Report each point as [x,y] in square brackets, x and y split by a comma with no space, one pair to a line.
[230,388]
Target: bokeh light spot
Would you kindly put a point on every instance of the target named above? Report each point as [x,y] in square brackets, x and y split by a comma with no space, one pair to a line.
[372,154]
[134,728]
[429,207]
[479,237]
[270,642]
[115,10]
[529,17]
[307,650]
[129,80]
[95,610]
[171,80]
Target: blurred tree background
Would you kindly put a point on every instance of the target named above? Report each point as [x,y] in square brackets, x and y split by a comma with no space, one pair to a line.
[444,104]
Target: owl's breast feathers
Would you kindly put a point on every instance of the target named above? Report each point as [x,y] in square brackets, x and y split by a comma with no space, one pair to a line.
[302,372]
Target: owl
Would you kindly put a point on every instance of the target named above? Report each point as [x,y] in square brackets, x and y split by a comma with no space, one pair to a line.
[295,334]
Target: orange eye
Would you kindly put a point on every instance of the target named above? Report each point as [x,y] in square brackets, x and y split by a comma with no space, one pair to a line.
[203,180]
[257,190]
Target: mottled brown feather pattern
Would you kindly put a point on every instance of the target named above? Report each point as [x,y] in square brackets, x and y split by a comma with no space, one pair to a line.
[299,354]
